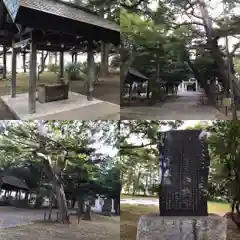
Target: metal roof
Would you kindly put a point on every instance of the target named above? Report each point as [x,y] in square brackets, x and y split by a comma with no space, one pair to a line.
[66,10]
[13,181]
[136,73]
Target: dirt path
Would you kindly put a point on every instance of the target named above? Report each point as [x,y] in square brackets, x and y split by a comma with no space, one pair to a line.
[12,217]
[184,107]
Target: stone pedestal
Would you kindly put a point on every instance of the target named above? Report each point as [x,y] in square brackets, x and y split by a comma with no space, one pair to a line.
[155,227]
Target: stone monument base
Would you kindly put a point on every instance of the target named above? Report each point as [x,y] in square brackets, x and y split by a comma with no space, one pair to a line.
[155,227]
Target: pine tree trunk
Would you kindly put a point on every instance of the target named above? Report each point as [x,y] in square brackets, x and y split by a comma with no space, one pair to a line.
[117,206]
[64,214]
[104,59]
[87,213]
[61,200]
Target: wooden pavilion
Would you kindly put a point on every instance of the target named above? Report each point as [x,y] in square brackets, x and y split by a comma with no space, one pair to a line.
[52,25]
[134,75]
[10,183]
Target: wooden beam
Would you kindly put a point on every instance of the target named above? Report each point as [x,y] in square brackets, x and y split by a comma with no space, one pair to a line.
[76,57]
[32,77]
[22,44]
[14,73]
[24,31]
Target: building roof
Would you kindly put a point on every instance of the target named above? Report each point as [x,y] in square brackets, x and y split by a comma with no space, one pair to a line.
[68,10]
[55,21]
[136,73]
[13,181]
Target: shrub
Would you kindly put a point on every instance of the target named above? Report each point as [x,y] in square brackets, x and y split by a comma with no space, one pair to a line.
[73,70]
[53,68]
[83,67]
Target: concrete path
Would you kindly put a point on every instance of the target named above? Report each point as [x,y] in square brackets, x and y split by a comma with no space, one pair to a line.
[98,111]
[185,107]
[12,217]
[75,107]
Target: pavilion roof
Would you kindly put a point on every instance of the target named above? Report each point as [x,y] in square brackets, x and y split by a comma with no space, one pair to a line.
[136,73]
[14,182]
[70,11]
[61,23]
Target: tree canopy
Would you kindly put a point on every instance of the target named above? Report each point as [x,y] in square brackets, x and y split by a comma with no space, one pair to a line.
[178,40]
[63,156]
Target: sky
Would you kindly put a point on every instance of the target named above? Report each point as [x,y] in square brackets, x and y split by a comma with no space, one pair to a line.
[107,149]
[188,123]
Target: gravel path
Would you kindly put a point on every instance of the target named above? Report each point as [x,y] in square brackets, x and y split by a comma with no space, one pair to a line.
[184,107]
[12,217]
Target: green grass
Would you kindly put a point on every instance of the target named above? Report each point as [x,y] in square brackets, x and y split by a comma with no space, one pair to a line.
[131,213]
[22,82]
[213,207]
[137,196]
[217,207]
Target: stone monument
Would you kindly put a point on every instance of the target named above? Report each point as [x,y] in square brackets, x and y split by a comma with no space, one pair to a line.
[107,207]
[184,168]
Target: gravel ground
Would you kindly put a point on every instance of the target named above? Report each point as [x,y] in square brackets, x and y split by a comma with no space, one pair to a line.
[100,228]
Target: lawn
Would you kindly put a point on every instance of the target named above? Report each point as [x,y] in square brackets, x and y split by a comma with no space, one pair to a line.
[130,196]
[100,228]
[213,207]
[22,82]
[130,215]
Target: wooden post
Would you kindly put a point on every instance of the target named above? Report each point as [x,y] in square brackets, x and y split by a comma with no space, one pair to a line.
[4,62]
[72,57]
[61,64]
[32,77]
[14,73]
[16,195]
[90,71]
[24,62]
[76,56]
[5,194]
